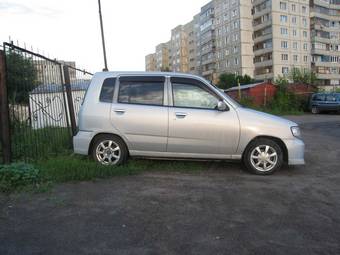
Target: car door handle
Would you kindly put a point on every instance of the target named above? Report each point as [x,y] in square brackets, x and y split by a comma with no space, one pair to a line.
[181,115]
[119,111]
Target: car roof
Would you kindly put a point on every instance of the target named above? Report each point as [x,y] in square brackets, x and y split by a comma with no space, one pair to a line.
[139,73]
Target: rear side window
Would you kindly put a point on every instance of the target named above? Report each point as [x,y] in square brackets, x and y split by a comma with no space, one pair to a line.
[108,88]
[143,91]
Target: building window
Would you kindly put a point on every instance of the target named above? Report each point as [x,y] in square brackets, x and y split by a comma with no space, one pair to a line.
[284,57]
[295,45]
[284,44]
[234,13]
[304,9]
[283,18]
[227,63]
[295,58]
[304,22]
[284,31]
[293,7]
[305,46]
[235,49]
[283,5]
[236,61]
[305,34]
[305,58]
[285,70]
[294,32]
[235,24]
[294,20]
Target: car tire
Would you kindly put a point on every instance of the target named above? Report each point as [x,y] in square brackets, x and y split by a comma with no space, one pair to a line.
[315,110]
[109,150]
[263,157]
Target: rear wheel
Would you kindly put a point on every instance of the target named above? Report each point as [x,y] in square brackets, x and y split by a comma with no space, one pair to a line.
[263,157]
[109,150]
[315,110]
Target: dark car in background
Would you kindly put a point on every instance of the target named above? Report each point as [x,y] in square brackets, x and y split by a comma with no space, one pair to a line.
[325,102]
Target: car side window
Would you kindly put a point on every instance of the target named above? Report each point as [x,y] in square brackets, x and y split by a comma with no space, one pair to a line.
[319,97]
[145,92]
[330,98]
[108,88]
[193,96]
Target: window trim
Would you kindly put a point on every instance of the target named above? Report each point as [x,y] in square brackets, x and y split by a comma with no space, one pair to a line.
[195,82]
[136,78]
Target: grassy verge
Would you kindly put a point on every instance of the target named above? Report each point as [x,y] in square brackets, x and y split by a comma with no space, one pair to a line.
[43,174]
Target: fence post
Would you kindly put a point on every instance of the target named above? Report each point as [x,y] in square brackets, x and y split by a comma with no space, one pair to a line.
[4,112]
[67,84]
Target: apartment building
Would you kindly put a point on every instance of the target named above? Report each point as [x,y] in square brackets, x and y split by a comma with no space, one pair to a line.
[325,27]
[260,38]
[150,62]
[162,57]
[192,30]
[179,61]
[281,37]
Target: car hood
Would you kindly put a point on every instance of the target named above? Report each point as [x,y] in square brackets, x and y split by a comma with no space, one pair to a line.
[260,123]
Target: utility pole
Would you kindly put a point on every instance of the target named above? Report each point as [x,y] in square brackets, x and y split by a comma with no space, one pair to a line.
[103,39]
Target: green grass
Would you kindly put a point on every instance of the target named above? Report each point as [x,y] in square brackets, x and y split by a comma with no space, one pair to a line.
[77,168]
[29,144]
[73,168]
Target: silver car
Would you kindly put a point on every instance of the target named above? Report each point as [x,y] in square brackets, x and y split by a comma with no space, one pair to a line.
[171,115]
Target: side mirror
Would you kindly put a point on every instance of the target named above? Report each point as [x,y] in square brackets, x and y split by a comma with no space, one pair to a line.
[221,106]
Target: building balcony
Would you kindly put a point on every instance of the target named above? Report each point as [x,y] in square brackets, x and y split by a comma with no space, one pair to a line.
[325,64]
[264,63]
[325,28]
[263,38]
[262,12]
[327,5]
[329,76]
[208,61]
[324,16]
[321,39]
[256,2]
[262,51]
[325,52]
[262,25]
[208,72]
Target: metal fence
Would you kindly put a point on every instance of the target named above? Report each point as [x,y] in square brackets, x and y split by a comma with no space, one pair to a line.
[40,99]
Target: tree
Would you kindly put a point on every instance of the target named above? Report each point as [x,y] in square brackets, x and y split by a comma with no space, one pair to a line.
[305,76]
[228,80]
[21,77]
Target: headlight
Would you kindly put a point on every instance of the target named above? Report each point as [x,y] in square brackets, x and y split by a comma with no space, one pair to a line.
[296,132]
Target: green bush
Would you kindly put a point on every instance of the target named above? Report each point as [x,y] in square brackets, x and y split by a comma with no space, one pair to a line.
[17,175]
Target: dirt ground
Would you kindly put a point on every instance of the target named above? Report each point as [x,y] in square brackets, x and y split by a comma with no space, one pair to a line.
[223,210]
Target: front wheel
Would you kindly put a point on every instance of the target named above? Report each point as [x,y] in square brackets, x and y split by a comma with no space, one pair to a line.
[109,150]
[263,157]
[315,110]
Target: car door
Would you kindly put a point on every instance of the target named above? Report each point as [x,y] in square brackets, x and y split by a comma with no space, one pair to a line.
[140,114]
[331,102]
[320,101]
[195,124]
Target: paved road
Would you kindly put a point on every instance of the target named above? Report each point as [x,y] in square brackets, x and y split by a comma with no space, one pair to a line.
[223,210]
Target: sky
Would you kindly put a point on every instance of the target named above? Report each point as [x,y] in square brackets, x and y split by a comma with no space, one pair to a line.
[69,29]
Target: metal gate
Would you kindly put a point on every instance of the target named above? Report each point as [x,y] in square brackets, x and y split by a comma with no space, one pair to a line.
[40,99]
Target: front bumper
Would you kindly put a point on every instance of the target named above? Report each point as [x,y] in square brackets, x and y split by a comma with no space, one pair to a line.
[81,142]
[296,151]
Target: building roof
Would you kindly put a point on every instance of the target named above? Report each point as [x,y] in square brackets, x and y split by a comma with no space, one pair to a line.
[248,86]
[56,88]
